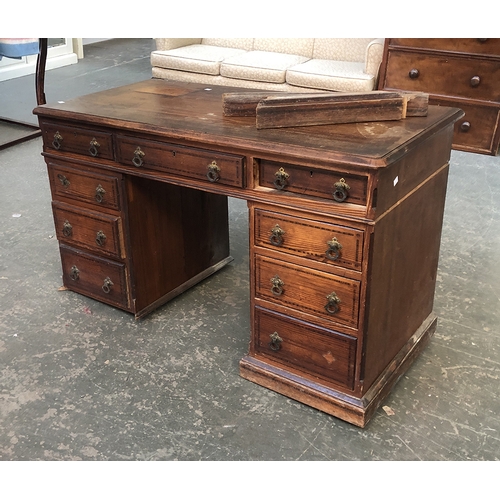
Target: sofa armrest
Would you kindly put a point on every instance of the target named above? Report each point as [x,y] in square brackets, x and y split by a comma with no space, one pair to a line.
[374,53]
[173,43]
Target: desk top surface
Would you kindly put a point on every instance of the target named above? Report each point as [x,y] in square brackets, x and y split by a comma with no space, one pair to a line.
[193,112]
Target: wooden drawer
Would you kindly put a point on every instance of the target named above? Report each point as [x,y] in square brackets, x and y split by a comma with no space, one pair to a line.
[318,241]
[315,182]
[209,166]
[443,75]
[486,46]
[476,131]
[88,142]
[320,294]
[97,232]
[95,277]
[305,347]
[97,190]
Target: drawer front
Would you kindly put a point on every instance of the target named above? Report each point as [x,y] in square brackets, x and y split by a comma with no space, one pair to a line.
[486,46]
[320,294]
[438,74]
[95,189]
[313,182]
[318,241]
[95,277]
[477,129]
[318,351]
[97,232]
[200,164]
[87,142]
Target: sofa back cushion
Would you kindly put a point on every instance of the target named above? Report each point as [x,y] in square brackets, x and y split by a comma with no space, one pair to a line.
[341,49]
[297,46]
[234,43]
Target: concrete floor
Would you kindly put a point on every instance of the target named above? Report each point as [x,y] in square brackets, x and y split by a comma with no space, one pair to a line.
[80,380]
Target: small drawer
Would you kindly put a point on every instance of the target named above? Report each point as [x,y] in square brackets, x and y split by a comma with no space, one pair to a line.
[95,277]
[87,142]
[326,354]
[320,294]
[210,166]
[97,232]
[443,75]
[320,183]
[486,46]
[318,241]
[95,189]
[476,130]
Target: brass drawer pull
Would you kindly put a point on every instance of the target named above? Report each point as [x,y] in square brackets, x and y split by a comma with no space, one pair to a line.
[57,140]
[414,73]
[341,191]
[99,193]
[67,229]
[94,147]
[281,180]
[74,273]
[277,286]
[332,306]
[334,247]
[63,179]
[213,174]
[475,81]
[276,341]
[100,238]
[276,237]
[106,287]
[139,154]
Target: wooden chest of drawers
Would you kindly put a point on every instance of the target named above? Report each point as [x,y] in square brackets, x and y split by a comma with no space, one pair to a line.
[455,72]
[345,224]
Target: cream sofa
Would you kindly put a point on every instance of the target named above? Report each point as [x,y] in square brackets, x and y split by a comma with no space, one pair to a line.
[288,64]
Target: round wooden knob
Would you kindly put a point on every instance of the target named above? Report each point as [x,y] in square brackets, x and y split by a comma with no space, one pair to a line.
[414,73]
[475,81]
[465,126]
[482,40]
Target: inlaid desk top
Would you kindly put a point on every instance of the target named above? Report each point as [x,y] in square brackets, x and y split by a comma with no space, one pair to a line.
[182,110]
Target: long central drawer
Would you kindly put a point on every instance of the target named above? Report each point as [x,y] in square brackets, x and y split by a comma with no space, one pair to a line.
[194,163]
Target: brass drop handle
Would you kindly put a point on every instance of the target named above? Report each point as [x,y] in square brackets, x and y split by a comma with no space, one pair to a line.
[334,247]
[94,147]
[332,306]
[57,140]
[74,273]
[139,154]
[276,237]
[106,287]
[341,191]
[277,286]
[213,172]
[475,81]
[281,180]
[276,341]
[465,126]
[414,73]
[100,238]
[99,193]
[63,180]
[67,229]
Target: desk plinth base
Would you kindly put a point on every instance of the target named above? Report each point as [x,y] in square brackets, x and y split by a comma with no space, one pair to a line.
[357,411]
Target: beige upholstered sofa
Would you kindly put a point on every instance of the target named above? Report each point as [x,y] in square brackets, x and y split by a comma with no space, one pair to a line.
[289,64]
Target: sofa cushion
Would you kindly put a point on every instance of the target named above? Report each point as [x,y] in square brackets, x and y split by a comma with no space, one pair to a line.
[341,49]
[298,46]
[260,66]
[235,43]
[195,58]
[340,76]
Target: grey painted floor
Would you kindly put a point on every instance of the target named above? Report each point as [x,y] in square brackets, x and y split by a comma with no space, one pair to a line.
[80,380]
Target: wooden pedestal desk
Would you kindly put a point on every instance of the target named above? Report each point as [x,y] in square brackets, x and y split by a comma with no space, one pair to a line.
[345,227]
